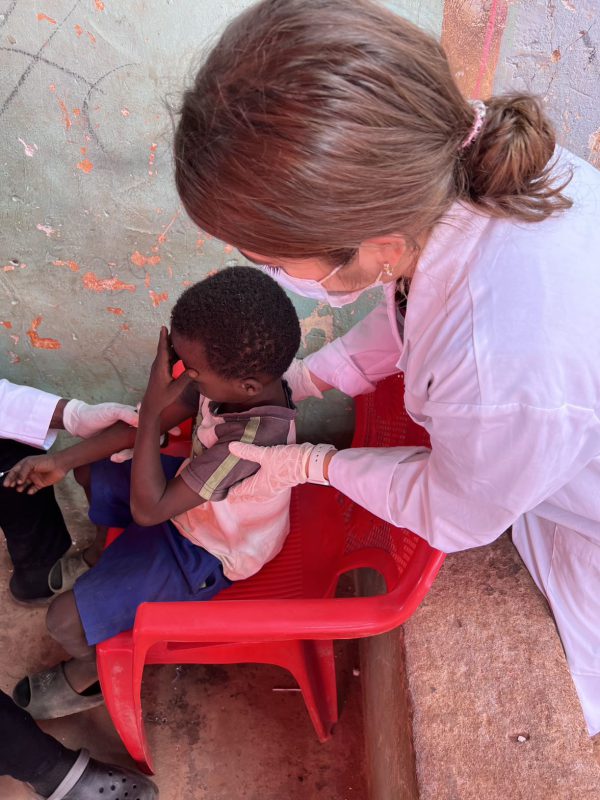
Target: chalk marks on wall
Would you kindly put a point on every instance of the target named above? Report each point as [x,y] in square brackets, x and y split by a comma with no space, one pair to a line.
[50,232]
[29,149]
[36,58]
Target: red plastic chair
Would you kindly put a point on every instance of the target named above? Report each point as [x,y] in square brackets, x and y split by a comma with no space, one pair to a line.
[287,614]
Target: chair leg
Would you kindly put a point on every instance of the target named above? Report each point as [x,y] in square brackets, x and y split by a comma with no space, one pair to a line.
[314,669]
[121,682]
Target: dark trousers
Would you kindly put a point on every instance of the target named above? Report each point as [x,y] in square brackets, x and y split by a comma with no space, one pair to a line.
[26,752]
[36,534]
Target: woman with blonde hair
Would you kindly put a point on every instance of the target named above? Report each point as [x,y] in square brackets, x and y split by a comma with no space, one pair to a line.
[328,140]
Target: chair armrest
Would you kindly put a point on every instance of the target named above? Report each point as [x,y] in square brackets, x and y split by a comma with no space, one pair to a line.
[268,620]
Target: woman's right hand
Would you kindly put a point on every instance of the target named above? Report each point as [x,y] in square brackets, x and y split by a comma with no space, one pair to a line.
[281,467]
[34,473]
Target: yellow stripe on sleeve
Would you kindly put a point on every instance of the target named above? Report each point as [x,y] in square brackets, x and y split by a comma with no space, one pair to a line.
[225,467]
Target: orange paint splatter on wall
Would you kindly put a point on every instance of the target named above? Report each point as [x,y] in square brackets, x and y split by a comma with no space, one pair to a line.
[91,37]
[45,18]
[117,311]
[147,280]
[14,358]
[151,158]
[7,325]
[66,117]
[141,260]
[85,165]
[99,5]
[8,268]
[39,341]
[76,112]
[95,284]
[157,299]
[78,29]
[124,327]
[72,265]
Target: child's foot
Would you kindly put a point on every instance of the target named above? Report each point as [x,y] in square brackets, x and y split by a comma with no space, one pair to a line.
[48,695]
[67,569]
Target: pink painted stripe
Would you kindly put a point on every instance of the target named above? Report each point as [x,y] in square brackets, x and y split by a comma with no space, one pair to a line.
[487,42]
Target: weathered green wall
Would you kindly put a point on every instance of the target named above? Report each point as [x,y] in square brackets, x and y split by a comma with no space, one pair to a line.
[94,246]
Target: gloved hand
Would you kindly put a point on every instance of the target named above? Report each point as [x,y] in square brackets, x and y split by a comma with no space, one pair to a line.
[281,467]
[127,455]
[83,420]
[300,381]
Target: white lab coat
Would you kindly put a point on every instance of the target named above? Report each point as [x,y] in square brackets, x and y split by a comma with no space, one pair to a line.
[501,357]
[25,414]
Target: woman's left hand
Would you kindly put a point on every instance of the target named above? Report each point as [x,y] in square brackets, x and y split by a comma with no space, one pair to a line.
[162,390]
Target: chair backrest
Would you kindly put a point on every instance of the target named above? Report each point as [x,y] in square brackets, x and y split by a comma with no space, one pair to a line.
[382,421]
[330,535]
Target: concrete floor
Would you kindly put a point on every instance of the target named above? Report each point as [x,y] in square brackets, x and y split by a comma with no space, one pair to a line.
[215,732]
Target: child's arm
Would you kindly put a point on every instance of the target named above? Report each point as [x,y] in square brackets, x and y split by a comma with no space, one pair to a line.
[36,472]
[208,477]
[153,499]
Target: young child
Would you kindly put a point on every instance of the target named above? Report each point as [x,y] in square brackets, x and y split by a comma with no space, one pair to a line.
[236,333]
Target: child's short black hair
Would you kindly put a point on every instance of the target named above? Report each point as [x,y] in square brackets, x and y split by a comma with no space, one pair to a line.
[245,321]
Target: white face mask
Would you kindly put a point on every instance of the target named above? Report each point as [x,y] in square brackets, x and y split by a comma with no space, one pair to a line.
[315,290]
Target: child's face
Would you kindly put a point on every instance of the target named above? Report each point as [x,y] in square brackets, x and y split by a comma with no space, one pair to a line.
[209,383]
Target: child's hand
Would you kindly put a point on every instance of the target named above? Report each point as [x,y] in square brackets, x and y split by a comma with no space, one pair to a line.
[162,390]
[34,473]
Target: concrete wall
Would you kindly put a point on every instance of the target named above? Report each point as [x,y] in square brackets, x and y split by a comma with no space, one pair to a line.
[94,246]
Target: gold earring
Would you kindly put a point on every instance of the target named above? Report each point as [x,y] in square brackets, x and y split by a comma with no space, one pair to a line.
[387,269]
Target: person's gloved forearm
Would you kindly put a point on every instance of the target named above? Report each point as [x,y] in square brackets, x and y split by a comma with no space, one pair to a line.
[281,467]
[83,420]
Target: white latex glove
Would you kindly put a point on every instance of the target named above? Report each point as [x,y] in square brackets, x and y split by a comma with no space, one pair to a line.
[83,420]
[301,384]
[281,467]
[127,455]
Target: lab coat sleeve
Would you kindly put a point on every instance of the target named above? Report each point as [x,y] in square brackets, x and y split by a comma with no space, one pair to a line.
[355,362]
[26,413]
[487,465]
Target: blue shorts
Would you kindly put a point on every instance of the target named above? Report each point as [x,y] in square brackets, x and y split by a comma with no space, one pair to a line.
[142,564]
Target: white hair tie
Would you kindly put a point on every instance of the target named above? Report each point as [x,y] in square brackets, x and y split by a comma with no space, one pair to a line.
[480,110]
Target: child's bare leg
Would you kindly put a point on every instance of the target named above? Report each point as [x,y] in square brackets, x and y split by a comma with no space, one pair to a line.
[83,476]
[93,552]
[64,625]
